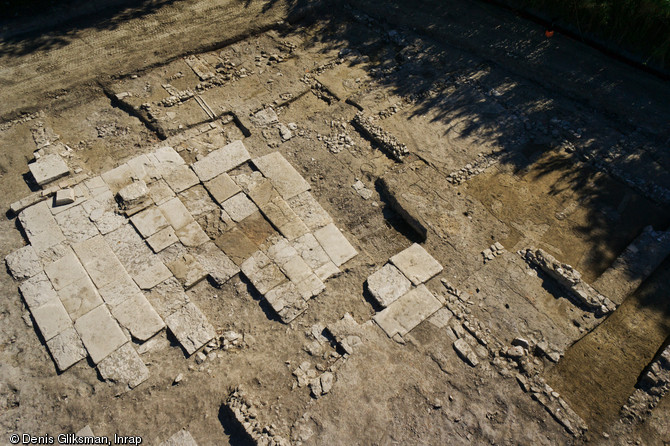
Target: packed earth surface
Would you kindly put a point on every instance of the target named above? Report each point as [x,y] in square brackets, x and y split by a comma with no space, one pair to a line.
[289,222]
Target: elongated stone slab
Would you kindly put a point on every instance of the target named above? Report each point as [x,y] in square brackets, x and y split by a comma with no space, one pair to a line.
[309,210]
[335,244]
[222,187]
[217,264]
[79,297]
[149,221]
[37,290]
[40,227]
[262,272]
[281,173]
[407,312]
[138,316]
[176,213]
[23,263]
[416,264]
[100,262]
[66,270]
[221,161]
[51,318]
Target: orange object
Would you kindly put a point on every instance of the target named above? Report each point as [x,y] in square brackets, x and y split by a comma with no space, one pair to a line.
[549,33]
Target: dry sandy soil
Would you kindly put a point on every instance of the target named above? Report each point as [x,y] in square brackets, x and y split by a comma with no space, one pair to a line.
[574,149]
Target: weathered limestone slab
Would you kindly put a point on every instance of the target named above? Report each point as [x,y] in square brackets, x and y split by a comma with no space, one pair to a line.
[63,197]
[407,312]
[347,333]
[197,201]
[100,262]
[176,213]
[162,239]
[190,327]
[192,235]
[37,290]
[335,244]
[239,207]
[76,225]
[465,352]
[97,186]
[287,301]
[262,272]
[311,251]
[217,264]
[81,194]
[40,227]
[416,264]
[65,270]
[51,318]
[309,211]
[167,297]
[79,297]
[222,187]
[327,271]
[143,168]
[181,438]
[265,117]
[23,263]
[181,178]
[133,195]
[149,221]
[187,270]
[66,349]
[441,318]
[221,160]
[138,316]
[100,333]
[236,245]
[387,285]
[160,192]
[124,366]
[119,177]
[119,291]
[26,202]
[48,168]
[284,219]
[107,221]
[166,158]
[290,262]
[310,286]
[284,177]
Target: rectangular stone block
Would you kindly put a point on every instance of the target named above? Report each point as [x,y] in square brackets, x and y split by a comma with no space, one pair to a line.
[119,291]
[48,168]
[192,235]
[284,177]
[262,272]
[187,270]
[81,194]
[66,270]
[162,239]
[79,297]
[166,158]
[176,213]
[23,263]
[118,178]
[144,168]
[221,161]
[284,219]
[40,227]
[287,301]
[100,333]
[222,187]
[335,244]
[310,286]
[236,245]
[311,251]
[149,221]
[197,201]
[407,312]
[239,207]
[138,316]
[76,225]
[63,197]
[160,192]
[51,318]
[167,297]
[190,327]
[217,264]
[37,290]
[387,285]
[309,211]
[181,178]
[99,261]
[416,264]
[66,349]
[124,366]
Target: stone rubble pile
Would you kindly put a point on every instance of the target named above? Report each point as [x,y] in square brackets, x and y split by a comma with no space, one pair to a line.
[246,413]
[493,251]
[653,385]
[387,142]
[570,279]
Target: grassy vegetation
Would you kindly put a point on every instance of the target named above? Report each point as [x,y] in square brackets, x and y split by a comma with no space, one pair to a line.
[639,26]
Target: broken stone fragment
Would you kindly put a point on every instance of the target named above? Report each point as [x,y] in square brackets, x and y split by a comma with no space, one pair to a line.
[133,194]
[63,197]
[465,352]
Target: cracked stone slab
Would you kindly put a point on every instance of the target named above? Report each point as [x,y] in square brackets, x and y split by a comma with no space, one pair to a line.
[97,186]
[124,366]
[160,192]
[76,225]
[119,177]
[149,221]
[40,227]
[309,211]
[387,285]
[79,297]
[283,218]
[181,178]
[217,264]
[281,173]
[287,301]
[134,195]
[167,297]
[143,168]
[239,207]
[222,187]
[313,254]
[107,221]
[262,272]
[289,261]
[66,349]
[416,264]
[407,312]
[118,291]
[100,333]
[187,270]
[176,213]
[190,327]
[197,201]
[221,160]
[192,235]
[51,318]
[162,239]
[66,270]
[335,244]
[23,263]
[37,290]
[99,261]
[166,158]
[48,168]
[138,316]
[310,286]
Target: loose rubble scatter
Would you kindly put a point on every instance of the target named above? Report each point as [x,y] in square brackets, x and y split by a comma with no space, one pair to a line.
[387,142]
[246,413]
[652,386]
[570,279]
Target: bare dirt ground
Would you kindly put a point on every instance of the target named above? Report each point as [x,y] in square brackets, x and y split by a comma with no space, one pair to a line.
[578,166]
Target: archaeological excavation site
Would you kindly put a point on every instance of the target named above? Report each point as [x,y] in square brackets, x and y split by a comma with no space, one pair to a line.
[290,222]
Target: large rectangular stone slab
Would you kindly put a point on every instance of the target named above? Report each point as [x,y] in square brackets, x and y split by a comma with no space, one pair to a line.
[79,297]
[221,160]
[138,316]
[76,225]
[416,264]
[51,318]
[407,312]
[23,263]
[167,297]
[262,272]
[287,301]
[100,262]
[181,178]
[162,239]
[48,168]
[192,235]
[190,327]
[66,270]
[284,219]
[40,227]
[239,207]
[118,291]
[100,333]
[144,168]
[313,254]
[222,187]
[309,210]
[198,201]
[149,221]
[284,177]
[335,244]
[119,177]
[387,285]
[66,349]
[187,270]
[124,366]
